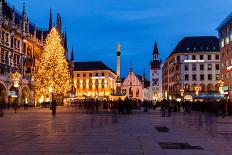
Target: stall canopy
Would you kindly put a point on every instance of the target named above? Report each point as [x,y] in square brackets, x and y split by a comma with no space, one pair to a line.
[207,96]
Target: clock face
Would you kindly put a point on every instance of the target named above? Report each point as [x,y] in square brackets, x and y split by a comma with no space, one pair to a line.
[155,82]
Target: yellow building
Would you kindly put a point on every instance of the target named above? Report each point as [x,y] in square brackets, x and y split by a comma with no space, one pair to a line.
[93,80]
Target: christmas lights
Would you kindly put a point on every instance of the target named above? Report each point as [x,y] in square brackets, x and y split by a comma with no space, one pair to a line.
[53,73]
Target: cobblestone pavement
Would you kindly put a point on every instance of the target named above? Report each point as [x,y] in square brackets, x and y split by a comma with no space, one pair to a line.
[36,132]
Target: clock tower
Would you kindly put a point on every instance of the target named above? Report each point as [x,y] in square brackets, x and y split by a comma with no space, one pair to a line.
[156,75]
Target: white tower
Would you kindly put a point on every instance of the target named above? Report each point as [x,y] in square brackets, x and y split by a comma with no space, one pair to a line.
[156,75]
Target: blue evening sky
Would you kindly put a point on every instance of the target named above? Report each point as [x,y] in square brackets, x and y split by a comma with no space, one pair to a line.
[95,26]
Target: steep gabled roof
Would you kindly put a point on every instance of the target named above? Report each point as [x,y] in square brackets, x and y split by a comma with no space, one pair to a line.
[225,22]
[197,44]
[91,66]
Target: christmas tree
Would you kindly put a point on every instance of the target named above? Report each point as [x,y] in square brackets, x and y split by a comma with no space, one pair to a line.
[53,75]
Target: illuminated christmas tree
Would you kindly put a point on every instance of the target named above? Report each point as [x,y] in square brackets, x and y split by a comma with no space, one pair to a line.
[53,75]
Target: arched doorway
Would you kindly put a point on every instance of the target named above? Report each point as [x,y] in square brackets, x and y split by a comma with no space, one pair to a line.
[25,95]
[193,87]
[2,94]
[187,87]
[202,87]
[13,95]
[209,87]
[217,86]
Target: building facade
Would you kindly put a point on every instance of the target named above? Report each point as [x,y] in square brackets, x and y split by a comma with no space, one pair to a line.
[225,36]
[21,47]
[93,80]
[135,86]
[156,76]
[192,68]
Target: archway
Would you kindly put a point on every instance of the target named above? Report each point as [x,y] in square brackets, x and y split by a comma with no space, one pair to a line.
[25,95]
[217,86]
[193,87]
[187,87]
[13,95]
[202,87]
[209,87]
[2,93]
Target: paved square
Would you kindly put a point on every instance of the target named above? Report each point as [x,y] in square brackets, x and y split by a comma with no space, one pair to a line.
[37,132]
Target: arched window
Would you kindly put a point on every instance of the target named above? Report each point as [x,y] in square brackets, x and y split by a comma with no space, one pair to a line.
[130,92]
[137,92]
[2,71]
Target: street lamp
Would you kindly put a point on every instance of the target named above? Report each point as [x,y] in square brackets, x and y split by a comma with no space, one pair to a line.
[182,93]
[16,78]
[197,89]
[221,83]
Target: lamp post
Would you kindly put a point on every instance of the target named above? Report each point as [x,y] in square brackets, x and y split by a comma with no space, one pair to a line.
[16,78]
[221,83]
[197,89]
[182,93]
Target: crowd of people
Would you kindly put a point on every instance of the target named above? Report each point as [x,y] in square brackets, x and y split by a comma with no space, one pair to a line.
[221,108]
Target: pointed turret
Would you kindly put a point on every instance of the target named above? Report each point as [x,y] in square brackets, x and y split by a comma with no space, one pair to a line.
[72,55]
[35,33]
[24,11]
[58,23]
[50,21]
[65,40]
[155,52]
[13,16]
[41,39]
[1,8]
[155,63]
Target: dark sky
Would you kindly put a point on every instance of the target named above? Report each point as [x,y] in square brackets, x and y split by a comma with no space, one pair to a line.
[95,26]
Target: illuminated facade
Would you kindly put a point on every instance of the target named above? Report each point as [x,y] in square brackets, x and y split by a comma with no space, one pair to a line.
[225,36]
[21,48]
[192,68]
[156,76]
[135,86]
[93,80]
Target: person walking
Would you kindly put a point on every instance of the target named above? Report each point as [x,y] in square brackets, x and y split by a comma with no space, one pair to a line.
[54,107]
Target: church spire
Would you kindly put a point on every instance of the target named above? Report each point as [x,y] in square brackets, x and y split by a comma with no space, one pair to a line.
[65,40]
[50,20]
[72,55]
[155,51]
[24,11]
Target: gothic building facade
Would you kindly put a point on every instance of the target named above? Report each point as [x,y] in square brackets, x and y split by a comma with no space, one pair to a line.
[21,47]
